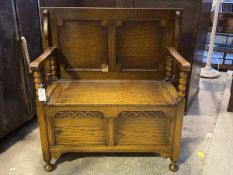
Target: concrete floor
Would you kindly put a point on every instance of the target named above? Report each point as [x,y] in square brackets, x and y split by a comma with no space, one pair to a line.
[219,158]
[20,152]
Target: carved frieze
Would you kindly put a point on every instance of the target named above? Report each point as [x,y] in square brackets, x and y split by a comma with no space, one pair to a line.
[79,114]
[145,114]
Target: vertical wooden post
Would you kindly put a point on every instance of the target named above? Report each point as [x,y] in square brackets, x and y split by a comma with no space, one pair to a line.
[177,29]
[168,67]
[45,30]
[111,131]
[38,82]
[112,45]
[182,85]
[53,68]
[42,124]
[177,136]
[44,136]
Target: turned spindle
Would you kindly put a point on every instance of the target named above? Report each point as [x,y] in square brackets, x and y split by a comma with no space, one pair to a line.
[182,85]
[53,67]
[168,67]
[38,81]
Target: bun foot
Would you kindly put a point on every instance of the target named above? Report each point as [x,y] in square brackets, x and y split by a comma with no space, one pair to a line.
[173,167]
[48,167]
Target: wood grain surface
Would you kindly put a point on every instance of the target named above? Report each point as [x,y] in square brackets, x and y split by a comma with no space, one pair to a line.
[89,93]
[109,88]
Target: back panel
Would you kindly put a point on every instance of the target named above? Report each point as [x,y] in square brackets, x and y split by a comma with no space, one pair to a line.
[110,43]
[140,45]
[83,44]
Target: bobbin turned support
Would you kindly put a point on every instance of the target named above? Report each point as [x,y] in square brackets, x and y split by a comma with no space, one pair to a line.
[168,67]
[182,85]
[38,81]
[183,66]
[53,68]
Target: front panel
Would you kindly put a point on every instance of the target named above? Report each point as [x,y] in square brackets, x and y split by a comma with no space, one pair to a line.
[93,127]
[143,128]
[79,128]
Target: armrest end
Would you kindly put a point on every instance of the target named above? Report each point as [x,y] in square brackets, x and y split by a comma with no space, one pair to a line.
[38,63]
[183,64]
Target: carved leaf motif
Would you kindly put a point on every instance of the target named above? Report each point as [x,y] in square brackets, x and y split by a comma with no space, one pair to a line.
[79,114]
[145,114]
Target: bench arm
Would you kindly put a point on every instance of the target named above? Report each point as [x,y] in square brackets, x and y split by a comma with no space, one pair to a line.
[39,63]
[45,62]
[183,66]
[181,61]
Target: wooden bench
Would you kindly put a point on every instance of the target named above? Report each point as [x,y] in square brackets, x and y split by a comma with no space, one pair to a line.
[113,79]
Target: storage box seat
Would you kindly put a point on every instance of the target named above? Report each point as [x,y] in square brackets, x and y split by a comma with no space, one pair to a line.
[108,76]
[102,93]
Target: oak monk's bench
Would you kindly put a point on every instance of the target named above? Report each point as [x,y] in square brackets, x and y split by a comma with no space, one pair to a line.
[110,80]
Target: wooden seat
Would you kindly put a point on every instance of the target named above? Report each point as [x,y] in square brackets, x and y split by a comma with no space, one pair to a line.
[101,93]
[113,82]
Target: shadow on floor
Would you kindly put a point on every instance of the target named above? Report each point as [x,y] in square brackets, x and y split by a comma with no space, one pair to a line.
[17,135]
[210,95]
[188,145]
[73,156]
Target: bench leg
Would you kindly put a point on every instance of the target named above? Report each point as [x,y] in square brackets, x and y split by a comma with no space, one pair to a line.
[177,136]
[173,166]
[44,137]
[48,166]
